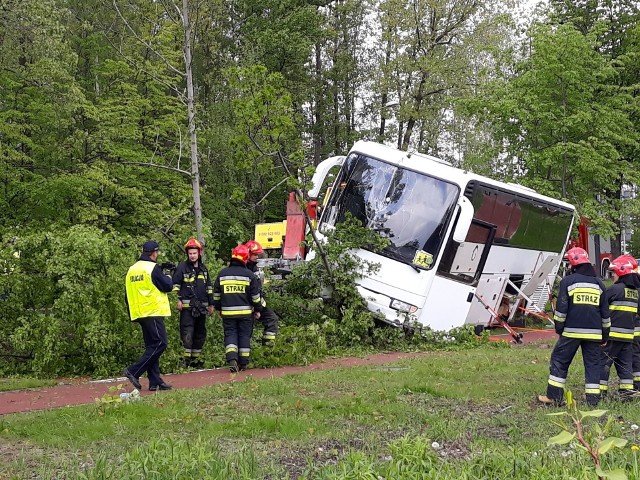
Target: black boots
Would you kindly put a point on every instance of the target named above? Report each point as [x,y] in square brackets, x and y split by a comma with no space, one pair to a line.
[233,366]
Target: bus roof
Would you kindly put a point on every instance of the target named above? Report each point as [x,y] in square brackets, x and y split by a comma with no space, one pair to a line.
[439,168]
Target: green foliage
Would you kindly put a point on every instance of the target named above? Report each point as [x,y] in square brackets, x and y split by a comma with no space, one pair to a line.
[116,397]
[592,438]
[311,277]
[565,123]
[67,288]
[7,384]
[296,345]
[85,97]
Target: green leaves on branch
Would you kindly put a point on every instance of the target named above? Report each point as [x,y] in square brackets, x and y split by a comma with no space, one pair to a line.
[590,437]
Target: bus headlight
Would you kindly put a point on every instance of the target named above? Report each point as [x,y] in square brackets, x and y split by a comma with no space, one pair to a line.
[403,306]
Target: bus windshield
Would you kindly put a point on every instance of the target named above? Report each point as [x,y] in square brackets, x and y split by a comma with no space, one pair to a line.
[411,209]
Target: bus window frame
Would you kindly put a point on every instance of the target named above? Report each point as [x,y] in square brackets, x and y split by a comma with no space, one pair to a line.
[323,223]
[472,281]
[474,185]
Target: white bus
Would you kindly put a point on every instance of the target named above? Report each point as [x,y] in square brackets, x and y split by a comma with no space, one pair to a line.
[458,242]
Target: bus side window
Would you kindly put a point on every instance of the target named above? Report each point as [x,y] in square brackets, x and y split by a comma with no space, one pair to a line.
[464,261]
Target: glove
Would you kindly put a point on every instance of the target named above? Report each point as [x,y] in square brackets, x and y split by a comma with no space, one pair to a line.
[605,335]
[559,327]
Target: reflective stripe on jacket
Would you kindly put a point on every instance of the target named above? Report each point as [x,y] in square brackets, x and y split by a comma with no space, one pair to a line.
[236,291]
[623,303]
[581,309]
[189,281]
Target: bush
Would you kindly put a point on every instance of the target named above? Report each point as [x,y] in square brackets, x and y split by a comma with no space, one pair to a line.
[67,291]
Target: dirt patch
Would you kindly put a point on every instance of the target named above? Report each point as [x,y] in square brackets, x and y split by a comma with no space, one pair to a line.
[31,458]
[306,458]
[457,449]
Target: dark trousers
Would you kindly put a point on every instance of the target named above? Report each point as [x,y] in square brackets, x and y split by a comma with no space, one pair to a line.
[155,342]
[193,332]
[561,359]
[237,338]
[635,352]
[618,354]
[269,321]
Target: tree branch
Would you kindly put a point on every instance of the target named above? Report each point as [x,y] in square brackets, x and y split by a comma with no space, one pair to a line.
[135,64]
[145,43]
[166,167]
[270,190]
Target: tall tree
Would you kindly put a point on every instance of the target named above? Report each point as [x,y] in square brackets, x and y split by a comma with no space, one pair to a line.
[563,123]
[613,23]
[157,37]
[428,50]
[38,97]
[341,77]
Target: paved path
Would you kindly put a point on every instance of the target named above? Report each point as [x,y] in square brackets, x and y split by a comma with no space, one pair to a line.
[83,393]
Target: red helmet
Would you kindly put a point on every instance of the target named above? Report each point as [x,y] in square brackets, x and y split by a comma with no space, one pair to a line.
[633,261]
[241,252]
[254,247]
[193,243]
[577,256]
[622,265]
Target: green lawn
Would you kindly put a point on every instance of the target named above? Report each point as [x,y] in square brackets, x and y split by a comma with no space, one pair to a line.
[451,415]
[7,384]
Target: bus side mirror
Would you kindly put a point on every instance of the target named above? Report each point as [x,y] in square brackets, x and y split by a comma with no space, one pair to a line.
[321,173]
[464,220]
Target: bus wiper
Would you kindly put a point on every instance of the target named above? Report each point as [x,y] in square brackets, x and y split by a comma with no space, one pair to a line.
[401,259]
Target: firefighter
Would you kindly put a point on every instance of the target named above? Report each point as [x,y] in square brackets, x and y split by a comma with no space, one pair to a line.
[195,299]
[146,294]
[635,346]
[622,298]
[236,296]
[582,320]
[268,317]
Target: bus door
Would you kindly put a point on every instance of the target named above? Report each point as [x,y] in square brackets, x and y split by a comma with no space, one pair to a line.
[456,280]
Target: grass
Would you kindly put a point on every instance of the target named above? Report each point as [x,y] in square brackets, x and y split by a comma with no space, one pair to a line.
[7,384]
[465,414]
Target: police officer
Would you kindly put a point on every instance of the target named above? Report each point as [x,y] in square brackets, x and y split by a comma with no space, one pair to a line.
[195,298]
[582,320]
[146,292]
[268,317]
[236,295]
[622,298]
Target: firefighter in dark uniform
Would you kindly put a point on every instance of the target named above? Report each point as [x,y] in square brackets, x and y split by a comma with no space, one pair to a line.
[195,299]
[622,298]
[236,296]
[268,317]
[635,346]
[582,320]
[146,293]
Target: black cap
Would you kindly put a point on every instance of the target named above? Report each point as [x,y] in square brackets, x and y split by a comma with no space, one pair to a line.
[150,246]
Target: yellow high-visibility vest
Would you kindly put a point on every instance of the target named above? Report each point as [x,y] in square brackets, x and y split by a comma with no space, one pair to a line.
[144,298]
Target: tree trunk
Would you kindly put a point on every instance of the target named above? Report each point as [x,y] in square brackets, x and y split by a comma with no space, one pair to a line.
[195,171]
[318,129]
[385,92]
[412,118]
